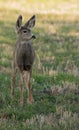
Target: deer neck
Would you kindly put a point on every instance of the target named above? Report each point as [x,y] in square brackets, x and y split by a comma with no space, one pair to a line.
[22,41]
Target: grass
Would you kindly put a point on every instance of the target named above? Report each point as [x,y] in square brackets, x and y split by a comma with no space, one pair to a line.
[55,78]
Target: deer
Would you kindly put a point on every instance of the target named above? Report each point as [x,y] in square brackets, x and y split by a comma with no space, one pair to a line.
[23,57]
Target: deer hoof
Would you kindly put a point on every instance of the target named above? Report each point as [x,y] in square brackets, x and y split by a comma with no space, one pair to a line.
[30,100]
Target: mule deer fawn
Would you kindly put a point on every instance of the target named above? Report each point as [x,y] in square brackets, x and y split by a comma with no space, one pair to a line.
[23,56]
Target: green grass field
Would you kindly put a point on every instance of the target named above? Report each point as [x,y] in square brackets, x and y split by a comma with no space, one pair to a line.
[55,78]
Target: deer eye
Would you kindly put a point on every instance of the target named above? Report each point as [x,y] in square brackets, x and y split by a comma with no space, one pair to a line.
[25,31]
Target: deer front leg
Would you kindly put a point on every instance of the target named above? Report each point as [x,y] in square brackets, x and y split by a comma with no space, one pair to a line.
[21,89]
[13,82]
[30,98]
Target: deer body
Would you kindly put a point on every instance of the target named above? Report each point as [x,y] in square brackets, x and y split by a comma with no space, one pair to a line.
[23,56]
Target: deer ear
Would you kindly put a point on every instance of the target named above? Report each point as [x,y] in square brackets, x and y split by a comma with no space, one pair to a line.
[31,22]
[19,22]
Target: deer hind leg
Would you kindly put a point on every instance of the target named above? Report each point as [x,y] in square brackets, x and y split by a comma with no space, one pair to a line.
[13,82]
[27,80]
[21,88]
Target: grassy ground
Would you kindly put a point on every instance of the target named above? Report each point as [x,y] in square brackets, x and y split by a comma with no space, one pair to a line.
[55,78]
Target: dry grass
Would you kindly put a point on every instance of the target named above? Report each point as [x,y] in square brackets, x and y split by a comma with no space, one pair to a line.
[33,6]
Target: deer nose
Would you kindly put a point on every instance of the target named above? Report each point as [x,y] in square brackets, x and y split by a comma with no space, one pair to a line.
[33,36]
